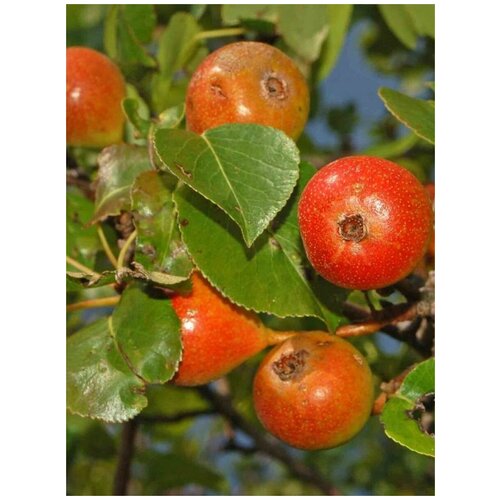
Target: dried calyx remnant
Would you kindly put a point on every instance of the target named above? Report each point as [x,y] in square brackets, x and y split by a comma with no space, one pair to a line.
[290,365]
[423,413]
[352,227]
[275,87]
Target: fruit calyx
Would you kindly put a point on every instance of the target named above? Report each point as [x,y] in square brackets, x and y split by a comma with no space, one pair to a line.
[289,366]
[275,87]
[352,227]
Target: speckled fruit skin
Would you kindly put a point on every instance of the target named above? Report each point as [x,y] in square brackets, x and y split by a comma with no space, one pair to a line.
[431,191]
[365,222]
[94,91]
[248,82]
[216,335]
[313,391]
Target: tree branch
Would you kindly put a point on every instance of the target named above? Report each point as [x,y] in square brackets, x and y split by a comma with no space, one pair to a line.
[125,454]
[222,404]
[170,419]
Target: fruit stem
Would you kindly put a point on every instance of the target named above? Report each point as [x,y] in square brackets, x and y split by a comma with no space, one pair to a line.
[203,35]
[274,337]
[106,247]
[123,251]
[80,267]
[93,303]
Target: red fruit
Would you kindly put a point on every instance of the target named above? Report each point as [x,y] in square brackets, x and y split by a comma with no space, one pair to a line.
[217,335]
[431,251]
[313,391]
[365,222]
[94,91]
[248,82]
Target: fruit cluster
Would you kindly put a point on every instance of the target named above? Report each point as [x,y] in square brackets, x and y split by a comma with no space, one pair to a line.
[365,223]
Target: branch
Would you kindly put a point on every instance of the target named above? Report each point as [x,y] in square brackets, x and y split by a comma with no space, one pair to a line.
[222,404]
[93,303]
[379,319]
[170,419]
[125,454]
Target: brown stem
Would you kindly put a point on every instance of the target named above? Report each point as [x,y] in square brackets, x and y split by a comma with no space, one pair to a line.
[274,337]
[125,455]
[222,404]
[389,316]
[93,303]
[170,419]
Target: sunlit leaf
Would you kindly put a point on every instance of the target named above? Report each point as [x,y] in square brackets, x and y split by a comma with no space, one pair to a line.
[267,277]
[403,413]
[251,184]
[99,384]
[416,114]
[147,331]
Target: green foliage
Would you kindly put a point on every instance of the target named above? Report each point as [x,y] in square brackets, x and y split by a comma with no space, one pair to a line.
[118,167]
[222,164]
[159,246]
[403,413]
[127,28]
[147,331]
[99,384]
[267,277]
[225,202]
[416,114]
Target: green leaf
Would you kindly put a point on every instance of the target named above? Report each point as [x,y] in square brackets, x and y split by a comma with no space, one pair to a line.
[171,117]
[177,44]
[251,184]
[158,246]
[82,242]
[137,112]
[304,28]
[99,384]
[339,17]
[401,24]
[267,277]
[423,18]
[233,14]
[119,165]
[141,19]
[77,281]
[177,47]
[399,412]
[392,148]
[147,330]
[416,114]
[81,17]
[126,28]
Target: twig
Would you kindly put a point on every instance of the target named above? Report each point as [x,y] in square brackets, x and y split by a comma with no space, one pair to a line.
[79,266]
[222,404]
[170,419]
[393,315]
[125,455]
[107,249]
[123,251]
[203,35]
[93,303]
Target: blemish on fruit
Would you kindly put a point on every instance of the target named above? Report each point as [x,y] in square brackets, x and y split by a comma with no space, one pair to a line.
[290,365]
[217,90]
[358,358]
[352,227]
[275,88]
